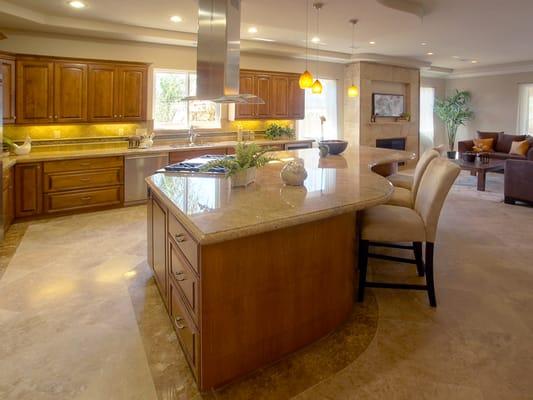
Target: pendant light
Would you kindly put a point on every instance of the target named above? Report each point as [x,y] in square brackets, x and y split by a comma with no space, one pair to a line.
[353,90]
[317,85]
[306,79]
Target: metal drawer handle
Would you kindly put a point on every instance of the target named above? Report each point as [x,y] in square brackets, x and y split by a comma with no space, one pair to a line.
[87,198]
[179,325]
[180,238]
[180,276]
[85,179]
[85,164]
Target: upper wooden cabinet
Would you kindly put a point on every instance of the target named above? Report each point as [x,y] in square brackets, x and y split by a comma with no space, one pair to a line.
[280,91]
[8,84]
[50,90]
[35,92]
[70,93]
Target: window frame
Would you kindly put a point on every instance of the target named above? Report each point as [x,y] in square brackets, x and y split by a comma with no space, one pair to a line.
[170,131]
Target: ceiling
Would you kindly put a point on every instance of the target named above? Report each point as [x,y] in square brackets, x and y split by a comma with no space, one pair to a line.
[456,31]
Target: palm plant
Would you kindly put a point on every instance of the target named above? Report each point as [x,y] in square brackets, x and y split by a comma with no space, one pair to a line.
[454,112]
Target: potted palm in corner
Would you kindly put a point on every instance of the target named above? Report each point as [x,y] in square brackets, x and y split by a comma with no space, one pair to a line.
[454,112]
[242,166]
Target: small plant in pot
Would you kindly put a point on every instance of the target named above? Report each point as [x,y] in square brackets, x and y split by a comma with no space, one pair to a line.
[454,112]
[242,166]
[277,131]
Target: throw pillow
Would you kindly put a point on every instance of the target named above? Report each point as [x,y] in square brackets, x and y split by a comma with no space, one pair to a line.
[519,148]
[483,145]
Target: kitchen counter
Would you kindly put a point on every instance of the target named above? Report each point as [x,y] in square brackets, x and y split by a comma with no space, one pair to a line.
[212,211]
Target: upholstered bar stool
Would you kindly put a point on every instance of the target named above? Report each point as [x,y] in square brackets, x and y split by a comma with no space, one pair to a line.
[387,225]
[405,186]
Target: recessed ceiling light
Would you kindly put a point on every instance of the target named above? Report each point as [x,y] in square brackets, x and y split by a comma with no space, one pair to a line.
[424,44]
[315,39]
[176,18]
[430,53]
[372,42]
[474,61]
[77,4]
[252,29]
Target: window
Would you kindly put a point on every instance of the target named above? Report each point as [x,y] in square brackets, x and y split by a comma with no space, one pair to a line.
[525,108]
[317,105]
[172,113]
[427,130]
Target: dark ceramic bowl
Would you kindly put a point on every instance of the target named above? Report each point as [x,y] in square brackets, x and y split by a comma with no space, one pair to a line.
[335,146]
[469,157]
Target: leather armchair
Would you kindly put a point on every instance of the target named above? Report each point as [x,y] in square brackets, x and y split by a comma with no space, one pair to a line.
[519,180]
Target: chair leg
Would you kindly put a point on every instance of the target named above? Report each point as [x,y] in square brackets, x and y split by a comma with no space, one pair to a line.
[363,265]
[429,275]
[417,247]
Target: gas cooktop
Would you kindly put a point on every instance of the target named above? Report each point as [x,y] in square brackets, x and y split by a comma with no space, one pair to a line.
[194,165]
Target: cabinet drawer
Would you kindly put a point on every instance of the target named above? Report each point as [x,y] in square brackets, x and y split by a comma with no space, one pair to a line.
[83,164]
[187,333]
[185,279]
[56,202]
[185,242]
[81,180]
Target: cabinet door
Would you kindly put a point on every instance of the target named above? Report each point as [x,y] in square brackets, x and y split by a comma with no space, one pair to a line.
[35,92]
[159,247]
[8,84]
[280,97]
[132,93]
[263,89]
[246,86]
[296,99]
[28,190]
[70,94]
[102,93]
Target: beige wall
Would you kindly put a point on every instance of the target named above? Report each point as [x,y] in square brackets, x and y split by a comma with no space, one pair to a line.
[160,56]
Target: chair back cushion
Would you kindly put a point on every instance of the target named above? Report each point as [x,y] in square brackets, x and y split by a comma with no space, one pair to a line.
[503,145]
[420,169]
[434,187]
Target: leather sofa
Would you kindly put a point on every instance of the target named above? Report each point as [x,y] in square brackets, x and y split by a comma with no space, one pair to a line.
[518,181]
[502,145]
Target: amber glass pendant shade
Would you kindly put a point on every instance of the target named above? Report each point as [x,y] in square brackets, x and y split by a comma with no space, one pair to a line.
[353,91]
[317,87]
[306,80]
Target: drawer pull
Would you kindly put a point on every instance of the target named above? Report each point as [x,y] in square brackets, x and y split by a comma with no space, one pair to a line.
[85,164]
[180,276]
[85,179]
[179,325]
[180,238]
[86,198]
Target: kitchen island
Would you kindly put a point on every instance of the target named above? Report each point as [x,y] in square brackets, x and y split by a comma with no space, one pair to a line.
[252,274]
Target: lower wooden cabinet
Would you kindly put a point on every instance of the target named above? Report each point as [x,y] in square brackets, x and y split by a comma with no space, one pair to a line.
[8,196]
[159,246]
[28,190]
[75,200]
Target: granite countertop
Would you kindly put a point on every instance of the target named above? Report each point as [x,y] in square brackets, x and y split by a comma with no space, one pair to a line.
[213,212]
[38,156]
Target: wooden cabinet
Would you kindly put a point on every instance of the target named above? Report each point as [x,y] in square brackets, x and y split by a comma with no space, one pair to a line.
[103,89]
[159,243]
[280,91]
[70,93]
[132,93]
[8,196]
[35,91]
[28,190]
[8,87]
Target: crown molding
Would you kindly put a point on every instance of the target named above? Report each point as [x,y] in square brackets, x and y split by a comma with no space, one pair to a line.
[495,69]
[392,60]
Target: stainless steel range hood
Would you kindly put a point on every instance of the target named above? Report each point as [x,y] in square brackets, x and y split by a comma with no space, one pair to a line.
[219,53]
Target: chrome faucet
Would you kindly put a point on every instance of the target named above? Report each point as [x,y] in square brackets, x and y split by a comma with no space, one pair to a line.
[192,136]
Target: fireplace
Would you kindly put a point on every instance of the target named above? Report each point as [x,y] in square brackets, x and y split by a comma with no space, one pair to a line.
[392,143]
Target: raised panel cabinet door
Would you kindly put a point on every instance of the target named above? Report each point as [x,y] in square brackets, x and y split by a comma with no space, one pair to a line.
[159,247]
[246,86]
[263,89]
[8,84]
[132,96]
[35,92]
[280,96]
[70,94]
[28,190]
[102,93]
[296,99]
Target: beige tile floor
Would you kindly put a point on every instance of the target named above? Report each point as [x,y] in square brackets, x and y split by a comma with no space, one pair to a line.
[80,317]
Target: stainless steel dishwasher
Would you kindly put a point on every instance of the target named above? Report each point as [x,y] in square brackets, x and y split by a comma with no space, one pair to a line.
[138,167]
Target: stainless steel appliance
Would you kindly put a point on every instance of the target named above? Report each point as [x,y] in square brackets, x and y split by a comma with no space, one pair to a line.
[194,165]
[138,167]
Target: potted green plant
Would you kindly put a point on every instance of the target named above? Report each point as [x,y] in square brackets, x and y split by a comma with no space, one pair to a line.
[242,166]
[276,131]
[454,112]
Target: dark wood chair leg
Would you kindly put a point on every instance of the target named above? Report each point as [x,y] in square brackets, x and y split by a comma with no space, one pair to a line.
[363,265]
[429,275]
[417,248]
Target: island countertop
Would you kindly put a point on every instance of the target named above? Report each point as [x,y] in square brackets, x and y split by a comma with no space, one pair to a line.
[212,211]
